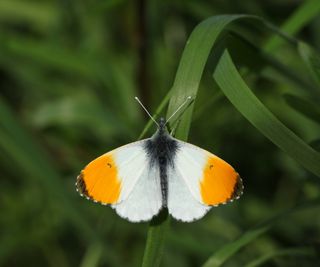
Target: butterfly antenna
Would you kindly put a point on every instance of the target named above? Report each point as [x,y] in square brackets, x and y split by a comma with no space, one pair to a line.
[174,113]
[136,98]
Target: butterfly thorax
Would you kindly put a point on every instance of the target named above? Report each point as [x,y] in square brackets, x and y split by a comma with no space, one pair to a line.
[161,149]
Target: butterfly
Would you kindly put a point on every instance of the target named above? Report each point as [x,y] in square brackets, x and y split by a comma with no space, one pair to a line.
[141,178]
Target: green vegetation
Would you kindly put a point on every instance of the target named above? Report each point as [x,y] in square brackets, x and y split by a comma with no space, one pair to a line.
[69,73]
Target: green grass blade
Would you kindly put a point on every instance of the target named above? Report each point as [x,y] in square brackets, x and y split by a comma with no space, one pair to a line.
[155,241]
[186,84]
[47,55]
[33,163]
[312,61]
[227,251]
[192,64]
[218,258]
[295,252]
[239,94]
[305,107]
[254,52]
[315,144]
[195,56]
[92,255]
[300,18]
[40,15]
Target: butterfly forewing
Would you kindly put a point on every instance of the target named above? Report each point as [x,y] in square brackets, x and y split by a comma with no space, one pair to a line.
[110,178]
[210,180]
[124,178]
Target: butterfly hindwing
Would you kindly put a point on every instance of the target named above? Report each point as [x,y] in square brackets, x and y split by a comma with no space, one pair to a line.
[182,205]
[145,200]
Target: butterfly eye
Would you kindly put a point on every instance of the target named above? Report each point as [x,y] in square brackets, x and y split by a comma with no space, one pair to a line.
[211,166]
[110,166]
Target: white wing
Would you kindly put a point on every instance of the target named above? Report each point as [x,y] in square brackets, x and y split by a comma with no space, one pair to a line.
[132,161]
[145,200]
[182,205]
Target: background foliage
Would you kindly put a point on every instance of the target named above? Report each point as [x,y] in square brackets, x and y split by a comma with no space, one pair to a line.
[69,71]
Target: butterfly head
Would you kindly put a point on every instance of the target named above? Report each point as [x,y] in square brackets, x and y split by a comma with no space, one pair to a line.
[162,124]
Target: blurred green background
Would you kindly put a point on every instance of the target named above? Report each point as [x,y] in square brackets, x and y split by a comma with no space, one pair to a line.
[69,71]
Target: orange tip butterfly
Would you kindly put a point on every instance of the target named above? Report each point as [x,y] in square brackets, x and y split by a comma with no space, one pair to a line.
[141,178]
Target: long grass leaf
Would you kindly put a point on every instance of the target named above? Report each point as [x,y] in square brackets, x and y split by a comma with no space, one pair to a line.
[296,252]
[227,251]
[304,14]
[31,159]
[155,241]
[312,61]
[239,94]
[218,258]
[305,107]
[186,84]
[192,64]
[41,15]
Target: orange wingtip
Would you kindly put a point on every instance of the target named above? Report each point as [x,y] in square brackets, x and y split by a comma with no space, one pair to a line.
[99,180]
[220,182]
